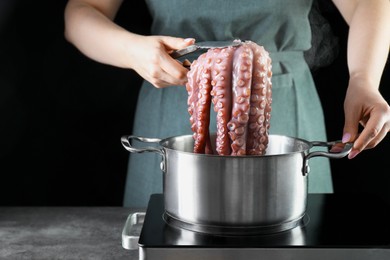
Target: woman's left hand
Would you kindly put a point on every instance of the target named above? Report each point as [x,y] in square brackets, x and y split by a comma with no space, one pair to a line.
[364,105]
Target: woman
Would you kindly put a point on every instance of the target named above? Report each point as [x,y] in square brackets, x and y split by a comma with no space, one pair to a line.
[282,27]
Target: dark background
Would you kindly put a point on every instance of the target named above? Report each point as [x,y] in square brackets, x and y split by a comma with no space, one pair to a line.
[62,114]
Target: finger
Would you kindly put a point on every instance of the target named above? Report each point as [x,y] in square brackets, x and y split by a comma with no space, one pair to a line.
[374,141]
[165,79]
[382,134]
[176,72]
[336,148]
[351,127]
[175,43]
[351,131]
[372,129]
[174,69]
[166,71]
[371,135]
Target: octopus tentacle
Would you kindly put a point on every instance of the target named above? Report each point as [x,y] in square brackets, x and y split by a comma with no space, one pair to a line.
[260,102]
[222,97]
[238,81]
[192,87]
[242,80]
[200,104]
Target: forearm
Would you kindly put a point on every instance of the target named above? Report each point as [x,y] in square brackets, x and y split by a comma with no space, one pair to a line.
[94,33]
[369,38]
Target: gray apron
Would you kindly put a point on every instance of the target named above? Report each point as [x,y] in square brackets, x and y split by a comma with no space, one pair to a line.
[283,28]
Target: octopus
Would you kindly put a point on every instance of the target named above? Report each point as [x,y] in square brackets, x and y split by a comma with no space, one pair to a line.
[237,81]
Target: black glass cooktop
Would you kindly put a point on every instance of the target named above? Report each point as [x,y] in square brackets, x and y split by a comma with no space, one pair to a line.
[331,221]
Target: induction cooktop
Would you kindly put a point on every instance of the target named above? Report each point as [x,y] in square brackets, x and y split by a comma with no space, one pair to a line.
[336,226]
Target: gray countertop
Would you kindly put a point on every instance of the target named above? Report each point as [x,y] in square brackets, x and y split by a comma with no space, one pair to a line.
[64,233]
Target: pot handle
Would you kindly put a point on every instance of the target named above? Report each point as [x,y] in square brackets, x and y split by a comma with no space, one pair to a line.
[344,152]
[125,140]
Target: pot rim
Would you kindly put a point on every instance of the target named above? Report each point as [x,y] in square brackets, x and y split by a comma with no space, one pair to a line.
[299,151]
[310,144]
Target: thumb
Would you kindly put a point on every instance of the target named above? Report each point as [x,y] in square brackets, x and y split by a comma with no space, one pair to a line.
[351,128]
[175,43]
[350,132]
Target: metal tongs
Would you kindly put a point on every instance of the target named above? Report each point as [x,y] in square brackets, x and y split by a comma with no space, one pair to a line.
[205,46]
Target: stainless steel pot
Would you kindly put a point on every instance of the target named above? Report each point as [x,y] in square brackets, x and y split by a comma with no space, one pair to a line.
[235,194]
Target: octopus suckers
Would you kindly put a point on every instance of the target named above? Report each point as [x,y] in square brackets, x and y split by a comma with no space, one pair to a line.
[237,81]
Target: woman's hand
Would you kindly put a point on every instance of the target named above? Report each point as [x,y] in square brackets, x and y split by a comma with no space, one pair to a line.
[89,26]
[150,57]
[368,49]
[364,105]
